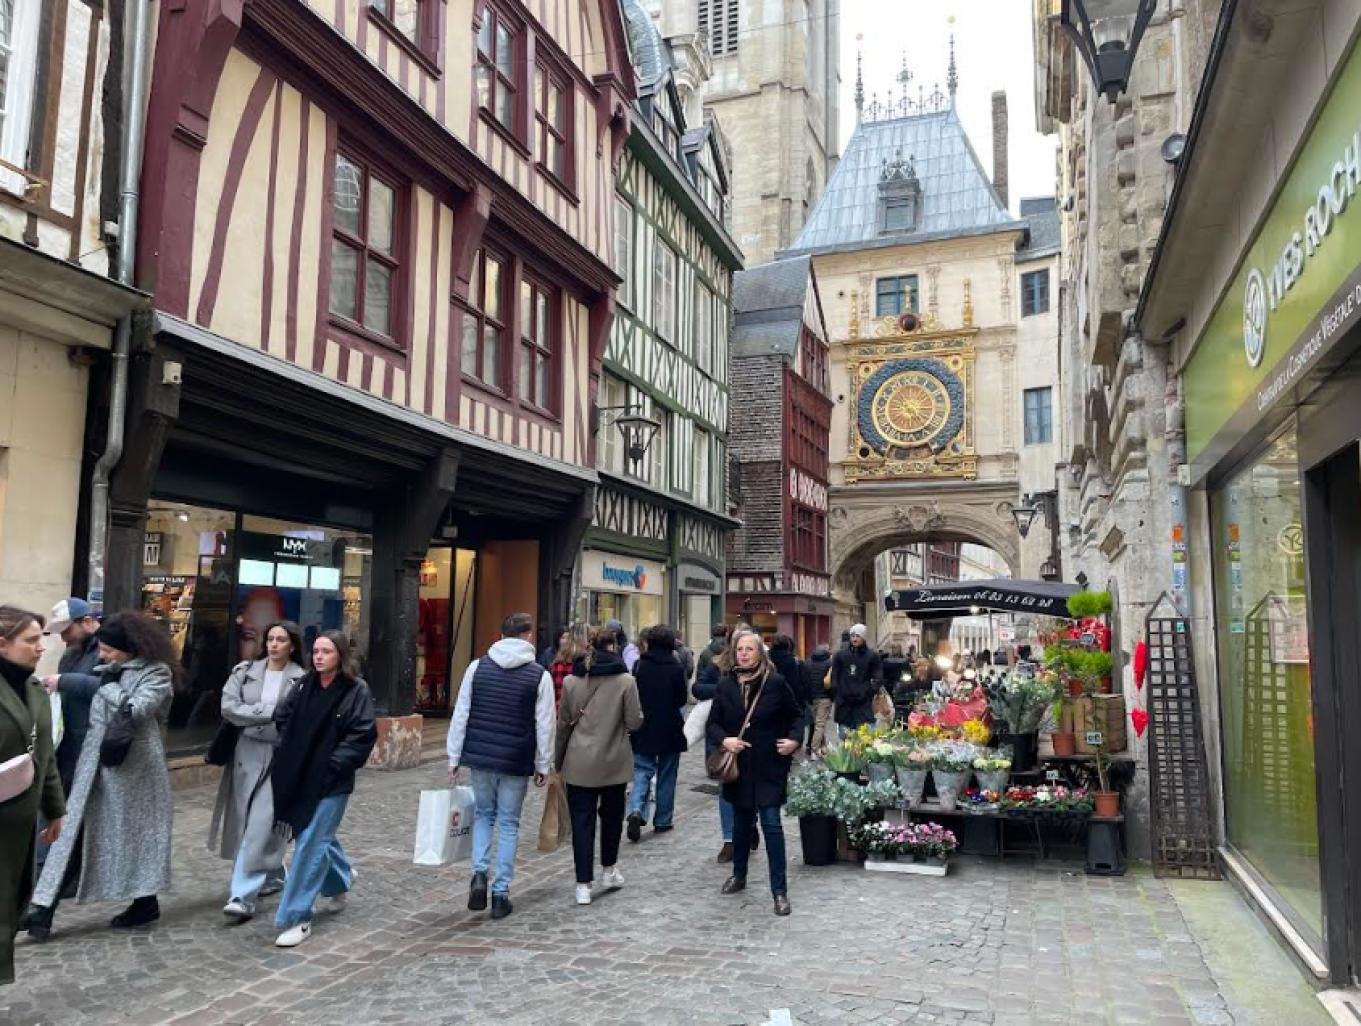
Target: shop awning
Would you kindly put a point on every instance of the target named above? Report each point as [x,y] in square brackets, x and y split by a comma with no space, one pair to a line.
[1001,594]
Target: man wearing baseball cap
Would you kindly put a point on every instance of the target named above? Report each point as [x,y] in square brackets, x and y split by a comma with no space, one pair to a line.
[75,680]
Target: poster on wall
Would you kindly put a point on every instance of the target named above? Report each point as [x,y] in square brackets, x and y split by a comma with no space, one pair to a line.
[1289,631]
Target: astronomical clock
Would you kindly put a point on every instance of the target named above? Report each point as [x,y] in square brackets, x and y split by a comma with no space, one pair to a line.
[913,389]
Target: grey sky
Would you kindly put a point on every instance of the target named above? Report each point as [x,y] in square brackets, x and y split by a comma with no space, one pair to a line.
[993,49]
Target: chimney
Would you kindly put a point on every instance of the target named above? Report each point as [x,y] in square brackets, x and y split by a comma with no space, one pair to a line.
[999,146]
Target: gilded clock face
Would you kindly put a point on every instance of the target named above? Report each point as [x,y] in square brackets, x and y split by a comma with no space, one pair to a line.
[910,404]
[911,408]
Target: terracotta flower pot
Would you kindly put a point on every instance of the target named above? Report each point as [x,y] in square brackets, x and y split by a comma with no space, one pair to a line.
[1107,804]
[1065,742]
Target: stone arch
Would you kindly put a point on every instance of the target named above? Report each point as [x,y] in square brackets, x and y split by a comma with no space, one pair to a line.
[858,535]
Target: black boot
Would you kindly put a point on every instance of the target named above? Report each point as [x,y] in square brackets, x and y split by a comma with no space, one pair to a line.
[142,912]
[477,893]
[38,922]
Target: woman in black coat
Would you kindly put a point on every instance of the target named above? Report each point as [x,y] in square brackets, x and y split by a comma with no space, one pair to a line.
[658,744]
[765,754]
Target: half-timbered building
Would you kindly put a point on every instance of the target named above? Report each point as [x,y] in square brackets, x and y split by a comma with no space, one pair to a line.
[380,236]
[60,296]
[655,551]
[781,423]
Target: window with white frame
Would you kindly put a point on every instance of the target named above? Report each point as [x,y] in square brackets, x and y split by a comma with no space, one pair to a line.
[19,21]
[704,327]
[659,478]
[664,291]
[623,249]
[609,454]
[703,490]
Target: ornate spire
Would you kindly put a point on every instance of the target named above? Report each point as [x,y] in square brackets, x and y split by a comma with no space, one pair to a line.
[952,79]
[859,84]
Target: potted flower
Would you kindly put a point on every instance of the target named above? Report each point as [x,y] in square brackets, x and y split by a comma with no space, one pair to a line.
[933,844]
[923,848]
[812,798]
[853,802]
[975,732]
[913,764]
[1107,801]
[879,841]
[992,772]
[950,773]
[846,760]
[1063,738]
[880,759]
[1018,703]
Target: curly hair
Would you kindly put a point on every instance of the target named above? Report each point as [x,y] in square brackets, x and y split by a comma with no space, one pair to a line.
[603,639]
[148,639]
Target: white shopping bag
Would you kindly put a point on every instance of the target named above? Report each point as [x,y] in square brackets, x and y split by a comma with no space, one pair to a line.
[58,721]
[444,826]
[697,721]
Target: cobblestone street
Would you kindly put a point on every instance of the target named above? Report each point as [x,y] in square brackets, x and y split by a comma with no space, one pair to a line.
[1000,943]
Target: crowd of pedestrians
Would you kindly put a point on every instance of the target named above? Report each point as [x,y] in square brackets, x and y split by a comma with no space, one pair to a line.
[86,810]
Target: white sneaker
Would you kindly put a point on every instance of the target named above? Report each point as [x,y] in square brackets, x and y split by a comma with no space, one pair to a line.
[294,936]
[583,894]
[237,909]
[612,879]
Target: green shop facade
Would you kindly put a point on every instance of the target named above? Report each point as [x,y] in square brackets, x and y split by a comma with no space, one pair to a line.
[1272,393]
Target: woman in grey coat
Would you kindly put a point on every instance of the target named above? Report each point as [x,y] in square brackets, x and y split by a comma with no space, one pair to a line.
[118,818]
[243,820]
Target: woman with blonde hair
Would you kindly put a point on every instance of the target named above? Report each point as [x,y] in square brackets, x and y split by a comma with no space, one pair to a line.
[595,759]
[756,716]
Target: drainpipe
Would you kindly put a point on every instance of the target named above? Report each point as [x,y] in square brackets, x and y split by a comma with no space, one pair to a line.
[134,123]
[1175,437]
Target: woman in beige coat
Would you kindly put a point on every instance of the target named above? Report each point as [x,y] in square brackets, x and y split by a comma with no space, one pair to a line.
[595,759]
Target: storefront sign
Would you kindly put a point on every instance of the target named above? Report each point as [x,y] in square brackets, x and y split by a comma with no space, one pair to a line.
[1297,292]
[602,571]
[804,489]
[151,549]
[283,548]
[810,584]
[698,579]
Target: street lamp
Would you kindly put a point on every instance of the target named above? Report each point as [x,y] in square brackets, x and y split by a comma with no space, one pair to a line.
[1107,34]
[637,429]
[1025,515]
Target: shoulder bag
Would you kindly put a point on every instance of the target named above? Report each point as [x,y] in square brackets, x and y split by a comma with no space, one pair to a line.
[16,775]
[118,735]
[722,765]
[223,749]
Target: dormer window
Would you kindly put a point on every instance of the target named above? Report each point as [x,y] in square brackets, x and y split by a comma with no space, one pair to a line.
[900,194]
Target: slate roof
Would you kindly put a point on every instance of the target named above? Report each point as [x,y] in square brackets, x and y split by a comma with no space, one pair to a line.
[1046,229]
[650,56]
[957,198]
[768,303]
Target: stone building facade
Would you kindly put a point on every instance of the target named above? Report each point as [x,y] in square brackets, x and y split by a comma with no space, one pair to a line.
[1122,415]
[937,350]
[775,89]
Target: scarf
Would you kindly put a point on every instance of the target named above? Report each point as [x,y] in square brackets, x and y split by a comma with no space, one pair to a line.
[302,762]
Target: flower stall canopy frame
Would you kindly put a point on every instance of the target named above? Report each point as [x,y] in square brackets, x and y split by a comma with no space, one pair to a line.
[1001,594]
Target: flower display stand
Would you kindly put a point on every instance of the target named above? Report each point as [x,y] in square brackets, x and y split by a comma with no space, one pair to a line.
[917,868]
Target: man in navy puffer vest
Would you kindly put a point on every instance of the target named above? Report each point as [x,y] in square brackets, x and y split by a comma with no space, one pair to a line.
[502,730]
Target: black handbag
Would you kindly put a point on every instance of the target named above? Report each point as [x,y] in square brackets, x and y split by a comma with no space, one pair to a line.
[223,749]
[118,736]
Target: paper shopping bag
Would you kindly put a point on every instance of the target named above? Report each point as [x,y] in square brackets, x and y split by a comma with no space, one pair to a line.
[444,826]
[556,826]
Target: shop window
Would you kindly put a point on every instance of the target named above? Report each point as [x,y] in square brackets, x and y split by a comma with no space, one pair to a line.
[1039,416]
[364,247]
[664,291]
[19,24]
[484,320]
[1266,700]
[623,250]
[537,385]
[553,120]
[1035,293]
[894,296]
[499,47]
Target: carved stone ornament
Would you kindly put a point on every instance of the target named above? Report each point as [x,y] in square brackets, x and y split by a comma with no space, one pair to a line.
[916,518]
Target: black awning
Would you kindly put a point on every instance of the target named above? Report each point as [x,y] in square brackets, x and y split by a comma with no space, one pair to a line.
[1001,594]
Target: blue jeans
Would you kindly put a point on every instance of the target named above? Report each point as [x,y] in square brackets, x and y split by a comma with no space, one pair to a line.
[725,817]
[744,821]
[664,768]
[320,866]
[497,801]
[247,884]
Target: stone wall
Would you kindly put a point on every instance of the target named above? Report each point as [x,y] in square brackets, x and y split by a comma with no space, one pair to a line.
[755,441]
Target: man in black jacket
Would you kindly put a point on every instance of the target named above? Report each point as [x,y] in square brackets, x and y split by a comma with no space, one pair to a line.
[815,669]
[856,673]
[75,680]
